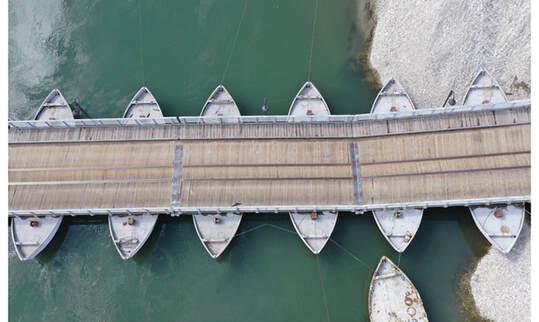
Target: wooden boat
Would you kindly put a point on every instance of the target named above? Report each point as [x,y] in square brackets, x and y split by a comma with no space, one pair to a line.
[501,225]
[392,98]
[30,235]
[308,102]
[220,104]
[143,105]
[314,228]
[217,231]
[129,233]
[398,226]
[484,89]
[54,107]
[393,297]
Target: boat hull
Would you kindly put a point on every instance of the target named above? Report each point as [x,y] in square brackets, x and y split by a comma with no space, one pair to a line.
[314,233]
[129,236]
[216,231]
[501,226]
[143,105]
[30,240]
[398,227]
[393,297]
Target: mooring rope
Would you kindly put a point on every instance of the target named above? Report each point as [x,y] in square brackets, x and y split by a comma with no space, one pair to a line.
[140,41]
[265,225]
[323,288]
[350,253]
[399,260]
[234,41]
[312,40]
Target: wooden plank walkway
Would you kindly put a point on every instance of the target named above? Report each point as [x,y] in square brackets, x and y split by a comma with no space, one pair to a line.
[451,158]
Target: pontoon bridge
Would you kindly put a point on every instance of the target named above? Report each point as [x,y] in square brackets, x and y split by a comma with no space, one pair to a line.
[476,155]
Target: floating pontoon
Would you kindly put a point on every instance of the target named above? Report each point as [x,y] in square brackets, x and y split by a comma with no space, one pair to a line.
[129,233]
[398,226]
[54,107]
[143,105]
[30,235]
[393,297]
[314,228]
[216,231]
[484,89]
[501,225]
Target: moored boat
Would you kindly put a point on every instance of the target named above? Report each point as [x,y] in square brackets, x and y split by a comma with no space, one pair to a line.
[216,231]
[30,235]
[220,104]
[143,105]
[313,228]
[129,233]
[392,98]
[392,296]
[484,89]
[54,107]
[398,226]
[500,225]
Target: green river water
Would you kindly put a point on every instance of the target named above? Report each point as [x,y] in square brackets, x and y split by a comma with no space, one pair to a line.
[99,53]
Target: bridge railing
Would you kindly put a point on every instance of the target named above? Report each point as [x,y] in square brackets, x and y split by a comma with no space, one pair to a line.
[263,119]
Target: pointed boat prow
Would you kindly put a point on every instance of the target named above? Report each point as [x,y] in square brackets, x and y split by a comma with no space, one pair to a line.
[501,225]
[392,296]
[143,105]
[392,98]
[220,104]
[484,89]
[54,107]
[129,233]
[30,235]
[314,228]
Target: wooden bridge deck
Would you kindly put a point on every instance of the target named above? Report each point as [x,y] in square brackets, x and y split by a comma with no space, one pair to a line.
[487,156]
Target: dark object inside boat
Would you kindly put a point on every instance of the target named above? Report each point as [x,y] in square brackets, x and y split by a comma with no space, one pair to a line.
[34,223]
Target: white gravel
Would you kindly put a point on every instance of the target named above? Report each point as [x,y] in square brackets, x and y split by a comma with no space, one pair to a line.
[501,283]
[434,46]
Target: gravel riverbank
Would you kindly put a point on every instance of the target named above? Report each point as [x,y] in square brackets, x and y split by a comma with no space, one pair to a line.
[436,46]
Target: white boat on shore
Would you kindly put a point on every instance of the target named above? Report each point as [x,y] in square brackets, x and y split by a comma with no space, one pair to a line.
[216,231]
[314,228]
[54,107]
[501,226]
[484,89]
[143,105]
[398,226]
[129,233]
[393,297]
[30,235]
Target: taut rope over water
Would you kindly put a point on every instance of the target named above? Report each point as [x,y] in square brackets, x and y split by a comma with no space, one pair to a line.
[235,40]
[312,40]
[140,41]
